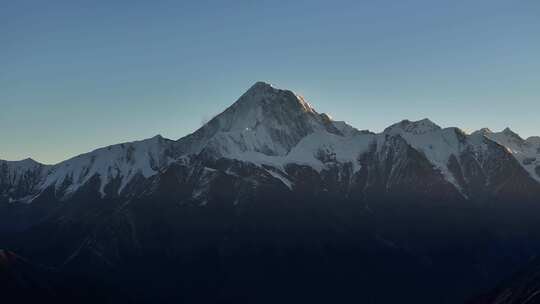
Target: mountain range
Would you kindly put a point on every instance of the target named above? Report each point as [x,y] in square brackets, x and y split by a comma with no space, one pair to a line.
[272,201]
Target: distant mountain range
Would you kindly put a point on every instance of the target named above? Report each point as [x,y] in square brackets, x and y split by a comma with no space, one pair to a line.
[276,128]
[271,201]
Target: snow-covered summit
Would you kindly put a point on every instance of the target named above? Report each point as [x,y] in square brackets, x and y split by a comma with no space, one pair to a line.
[527,152]
[265,120]
[438,145]
[508,132]
[482,132]
[415,127]
[265,93]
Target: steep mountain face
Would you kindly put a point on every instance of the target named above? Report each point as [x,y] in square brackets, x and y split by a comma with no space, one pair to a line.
[527,152]
[270,186]
[114,167]
[264,120]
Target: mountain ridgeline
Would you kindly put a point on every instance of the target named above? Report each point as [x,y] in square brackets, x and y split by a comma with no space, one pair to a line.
[271,201]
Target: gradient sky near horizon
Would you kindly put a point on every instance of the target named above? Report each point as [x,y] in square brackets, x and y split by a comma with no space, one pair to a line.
[78,75]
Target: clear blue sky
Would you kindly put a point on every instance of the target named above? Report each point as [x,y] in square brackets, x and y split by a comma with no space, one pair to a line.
[77,75]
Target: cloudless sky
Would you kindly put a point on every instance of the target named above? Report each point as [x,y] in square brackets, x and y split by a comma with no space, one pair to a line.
[78,75]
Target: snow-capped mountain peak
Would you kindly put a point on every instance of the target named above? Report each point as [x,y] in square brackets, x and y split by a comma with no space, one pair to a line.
[527,152]
[414,127]
[482,131]
[263,120]
[265,93]
[508,132]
